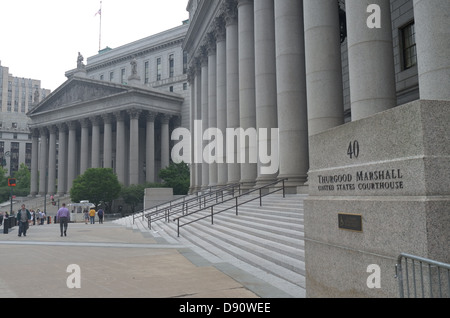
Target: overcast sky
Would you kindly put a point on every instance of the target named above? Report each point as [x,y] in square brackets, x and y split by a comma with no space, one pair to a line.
[40,39]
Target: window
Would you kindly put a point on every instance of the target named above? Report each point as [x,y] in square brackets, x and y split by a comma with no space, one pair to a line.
[171,65]
[146,73]
[122,76]
[111,76]
[158,69]
[409,52]
[102,77]
[185,62]
[185,86]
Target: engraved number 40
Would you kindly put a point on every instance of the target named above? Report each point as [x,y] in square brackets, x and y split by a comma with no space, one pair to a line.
[353,150]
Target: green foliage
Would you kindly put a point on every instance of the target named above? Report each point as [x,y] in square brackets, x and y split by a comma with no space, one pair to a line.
[23,176]
[96,185]
[176,176]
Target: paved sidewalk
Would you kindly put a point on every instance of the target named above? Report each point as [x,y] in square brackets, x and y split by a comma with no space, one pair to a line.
[114,262]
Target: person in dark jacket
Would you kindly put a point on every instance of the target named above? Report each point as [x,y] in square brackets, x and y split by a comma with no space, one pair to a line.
[23,216]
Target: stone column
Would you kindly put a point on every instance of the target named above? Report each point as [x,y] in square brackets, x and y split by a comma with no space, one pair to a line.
[265,82]
[84,149]
[62,159]
[221,55]
[371,60]
[432,25]
[95,152]
[150,148]
[72,155]
[323,65]
[165,141]
[192,170]
[52,161]
[43,161]
[291,92]
[107,141]
[247,102]
[197,155]
[212,100]
[34,162]
[204,70]
[120,147]
[134,145]
[232,47]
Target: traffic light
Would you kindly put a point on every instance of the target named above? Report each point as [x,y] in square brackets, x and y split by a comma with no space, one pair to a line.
[11,182]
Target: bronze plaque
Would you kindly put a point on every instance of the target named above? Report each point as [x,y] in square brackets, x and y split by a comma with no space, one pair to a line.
[350,222]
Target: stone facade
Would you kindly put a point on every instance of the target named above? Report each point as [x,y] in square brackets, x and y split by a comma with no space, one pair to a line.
[117,111]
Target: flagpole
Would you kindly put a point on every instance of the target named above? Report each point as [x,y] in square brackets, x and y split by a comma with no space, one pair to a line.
[100,31]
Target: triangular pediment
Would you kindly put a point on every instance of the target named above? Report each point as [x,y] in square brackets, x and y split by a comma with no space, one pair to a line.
[76,91]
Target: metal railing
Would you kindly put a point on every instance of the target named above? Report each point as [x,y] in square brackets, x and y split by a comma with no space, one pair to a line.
[166,209]
[421,277]
[261,191]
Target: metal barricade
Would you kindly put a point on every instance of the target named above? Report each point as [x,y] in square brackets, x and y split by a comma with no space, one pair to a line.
[422,278]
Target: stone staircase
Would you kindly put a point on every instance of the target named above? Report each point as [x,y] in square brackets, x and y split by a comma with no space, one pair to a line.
[265,241]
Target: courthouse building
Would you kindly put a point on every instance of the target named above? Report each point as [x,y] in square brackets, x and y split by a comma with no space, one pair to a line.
[304,67]
[117,111]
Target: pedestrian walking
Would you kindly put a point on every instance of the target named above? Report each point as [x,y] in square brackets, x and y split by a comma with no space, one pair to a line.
[100,214]
[86,217]
[63,216]
[92,215]
[23,216]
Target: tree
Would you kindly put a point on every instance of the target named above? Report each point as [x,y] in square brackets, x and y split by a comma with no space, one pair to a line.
[176,176]
[23,176]
[133,195]
[96,185]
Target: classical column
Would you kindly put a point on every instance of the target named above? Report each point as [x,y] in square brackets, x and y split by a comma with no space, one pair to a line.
[95,152]
[84,150]
[62,159]
[291,92]
[247,98]
[52,161]
[34,162]
[120,147]
[72,155]
[212,100]
[370,59]
[193,166]
[150,148]
[134,145]
[232,47]
[323,65]
[432,25]
[265,84]
[197,109]
[221,56]
[165,141]
[204,70]
[107,140]
[43,161]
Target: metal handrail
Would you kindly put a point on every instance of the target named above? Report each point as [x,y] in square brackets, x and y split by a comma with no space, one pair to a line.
[163,207]
[429,264]
[236,205]
[198,201]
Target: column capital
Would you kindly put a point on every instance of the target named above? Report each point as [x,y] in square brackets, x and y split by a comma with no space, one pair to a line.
[85,122]
[211,43]
[107,118]
[35,132]
[72,125]
[62,127]
[165,118]
[230,11]
[120,116]
[96,121]
[134,113]
[43,131]
[151,116]
[52,129]
[220,29]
